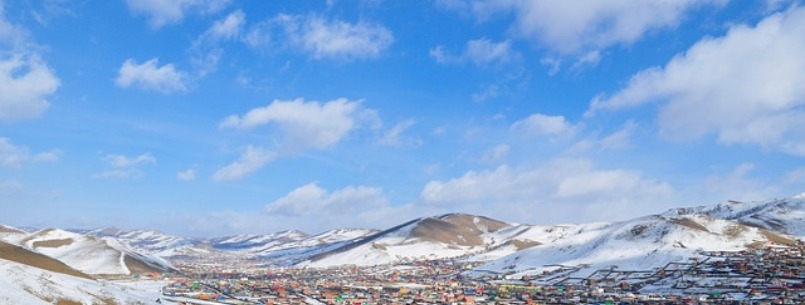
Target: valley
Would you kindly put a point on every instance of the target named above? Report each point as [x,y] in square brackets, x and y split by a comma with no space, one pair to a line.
[729,253]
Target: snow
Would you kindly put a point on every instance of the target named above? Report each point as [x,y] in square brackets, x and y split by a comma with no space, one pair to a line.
[640,244]
[91,255]
[88,255]
[22,284]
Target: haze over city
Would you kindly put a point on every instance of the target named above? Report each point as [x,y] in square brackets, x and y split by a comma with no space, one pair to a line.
[214,117]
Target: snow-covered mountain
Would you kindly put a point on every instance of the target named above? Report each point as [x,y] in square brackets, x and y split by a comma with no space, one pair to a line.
[639,244]
[443,236]
[11,233]
[152,242]
[27,277]
[257,242]
[644,242]
[89,254]
[506,247]
[780,215]
[280,248]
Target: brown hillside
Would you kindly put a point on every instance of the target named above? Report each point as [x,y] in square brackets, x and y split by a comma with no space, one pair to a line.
[26,257]
[468,221]
[137,266]
[4,229]
[55,243]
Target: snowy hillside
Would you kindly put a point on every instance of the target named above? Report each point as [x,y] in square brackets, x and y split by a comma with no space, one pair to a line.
[257,242]
[449,235]
[780,215]
[148,240]
[23,284]
[91,255]
[640,244]
[8,233]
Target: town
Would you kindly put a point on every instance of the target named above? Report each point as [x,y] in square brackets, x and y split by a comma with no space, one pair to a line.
[768,274]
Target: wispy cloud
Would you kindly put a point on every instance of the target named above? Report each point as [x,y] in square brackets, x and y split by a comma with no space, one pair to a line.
[14,156]
[162,12]
[481,52]
[124,167]
[251,159]
[321,37]
[150,76]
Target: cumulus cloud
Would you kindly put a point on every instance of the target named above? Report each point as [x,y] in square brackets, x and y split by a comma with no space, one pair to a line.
[545,125]
[481,52]
[304,124]
[150,76]
[745,87]
[311,199]
[14,156]
[251,159]
[577,26]
[562,190]
[25,82]
[124,167]
[162,12]
[323,38]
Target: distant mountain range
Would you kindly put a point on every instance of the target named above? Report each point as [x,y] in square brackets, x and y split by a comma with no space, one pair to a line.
[505,248]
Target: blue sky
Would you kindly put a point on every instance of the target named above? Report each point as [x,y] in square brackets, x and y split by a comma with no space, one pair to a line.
[214,117]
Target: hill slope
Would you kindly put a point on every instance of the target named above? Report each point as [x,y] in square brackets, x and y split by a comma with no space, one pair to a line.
[449,235]
[640,244]
[780,215]
[91,255]
[24,284]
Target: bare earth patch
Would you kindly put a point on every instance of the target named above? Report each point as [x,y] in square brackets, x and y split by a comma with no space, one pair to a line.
[55,243]
[26,257]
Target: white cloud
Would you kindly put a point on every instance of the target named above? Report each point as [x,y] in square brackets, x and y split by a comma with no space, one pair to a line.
[149,76]
[251,159]
[576,26]
[206,50]
[323,38]
[122,161]
[311,199]
[394,136]
[497,153]
[163,12]
[590,59]
[737,184]
[9,33]
[553,64]
[562,190]
[13,156]
[229,27]
[125,167]
[186,175]
[304,124]
[25,79]
[481,52]
[545,125]
[745,87]
[25,82]
[620,139]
